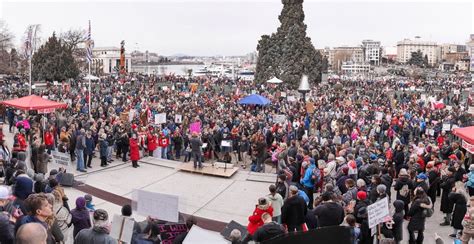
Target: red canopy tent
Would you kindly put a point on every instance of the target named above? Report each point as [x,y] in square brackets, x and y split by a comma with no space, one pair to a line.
[33,102]
[467,136]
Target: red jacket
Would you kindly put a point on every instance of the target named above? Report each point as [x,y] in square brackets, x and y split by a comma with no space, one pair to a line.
[255,220]
[48,138]
[152,145]
[134,151]
[21,143]
[163,142]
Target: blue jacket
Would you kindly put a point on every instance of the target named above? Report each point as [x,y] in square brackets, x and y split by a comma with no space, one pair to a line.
[304,196]
[90,146]
[103,145]
[307,180]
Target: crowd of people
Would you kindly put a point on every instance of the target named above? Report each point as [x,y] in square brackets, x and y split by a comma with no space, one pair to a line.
[350,144]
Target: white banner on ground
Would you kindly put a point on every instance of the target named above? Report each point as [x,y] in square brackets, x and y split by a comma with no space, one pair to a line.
[156,205]
[160,118]
[378,212]
[61,158]
[122,228]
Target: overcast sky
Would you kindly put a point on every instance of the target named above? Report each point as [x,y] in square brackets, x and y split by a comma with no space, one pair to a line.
[229,27]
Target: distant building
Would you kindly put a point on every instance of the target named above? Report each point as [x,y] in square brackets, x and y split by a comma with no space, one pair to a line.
[106,60]
[339,55]
[355,68]
[406,47]
[445,49]
[470,50]
[371,51]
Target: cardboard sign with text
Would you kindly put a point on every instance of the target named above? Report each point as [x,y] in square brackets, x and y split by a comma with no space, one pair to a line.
[169,232]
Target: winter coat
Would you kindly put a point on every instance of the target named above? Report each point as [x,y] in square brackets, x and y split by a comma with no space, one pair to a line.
[434,182]
[418,218]
[90,146]
[151,142]
[293,211]
[282,188]
[95,235]
[195,144]
[460,209]
[402,181]
[446,184]
[103,145]
[329,214]
[397,228]
[80,216]
[268,231]
[42,163]
[277,202]
[48,138]
[307,180]
[7,229]
[134,150]
[255,220]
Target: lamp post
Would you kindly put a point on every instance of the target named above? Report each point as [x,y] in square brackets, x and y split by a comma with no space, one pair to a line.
[304,86]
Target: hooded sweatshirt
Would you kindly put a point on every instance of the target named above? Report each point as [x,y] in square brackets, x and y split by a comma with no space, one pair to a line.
[277,203]
[80,216]
[96,235]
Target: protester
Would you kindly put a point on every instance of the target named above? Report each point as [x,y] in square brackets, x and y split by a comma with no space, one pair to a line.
[293,211]
[80,216]
[31,233]
[99,233]
[417,214]
[276,201]
[268,230]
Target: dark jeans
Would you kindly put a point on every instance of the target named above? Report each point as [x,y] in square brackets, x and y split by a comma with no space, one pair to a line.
[309,191]
[87,159]
[197,156]
[124,155]
[103,160]
[419,239]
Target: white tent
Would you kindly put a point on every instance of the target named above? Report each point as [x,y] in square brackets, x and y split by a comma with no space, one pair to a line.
[274,80]
[91,77]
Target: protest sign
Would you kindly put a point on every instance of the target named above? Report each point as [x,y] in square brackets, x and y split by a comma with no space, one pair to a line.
[131,115]
[169,232]
[449,108]
[378,115]
[471,110]
[122,228]
[280,118]
[195,127]
[469,147]
[46,110]
[160,118]
[200,235]
[232,225]
[291,98]
[156,205]
[283,94]
[226,143]
[178,118]
[446,127]
[61,158]
[456,92]
[378,212]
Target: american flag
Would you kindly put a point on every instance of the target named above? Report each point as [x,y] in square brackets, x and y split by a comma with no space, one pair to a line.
[89,45]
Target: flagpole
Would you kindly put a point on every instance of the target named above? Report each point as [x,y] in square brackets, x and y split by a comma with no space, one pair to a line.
[30,75]
[90,98]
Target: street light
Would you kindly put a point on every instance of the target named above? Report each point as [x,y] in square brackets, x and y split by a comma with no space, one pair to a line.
[304,86]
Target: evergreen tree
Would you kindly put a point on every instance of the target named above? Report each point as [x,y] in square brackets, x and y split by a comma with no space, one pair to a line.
[54,62]
[425,61]
[289,53]
[417,59]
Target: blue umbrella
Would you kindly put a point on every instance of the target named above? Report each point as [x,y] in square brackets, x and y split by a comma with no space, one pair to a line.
[254,99]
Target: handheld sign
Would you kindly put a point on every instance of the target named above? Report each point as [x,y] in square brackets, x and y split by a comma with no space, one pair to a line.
[169,232]
[61,158]
[160,118]
[377,212]
[122,228]
[156,205]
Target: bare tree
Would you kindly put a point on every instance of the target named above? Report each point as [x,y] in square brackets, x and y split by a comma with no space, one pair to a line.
[6,37]
[74,39]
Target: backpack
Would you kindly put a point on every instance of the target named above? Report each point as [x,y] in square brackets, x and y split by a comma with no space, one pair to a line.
[404,191]
[316,175]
